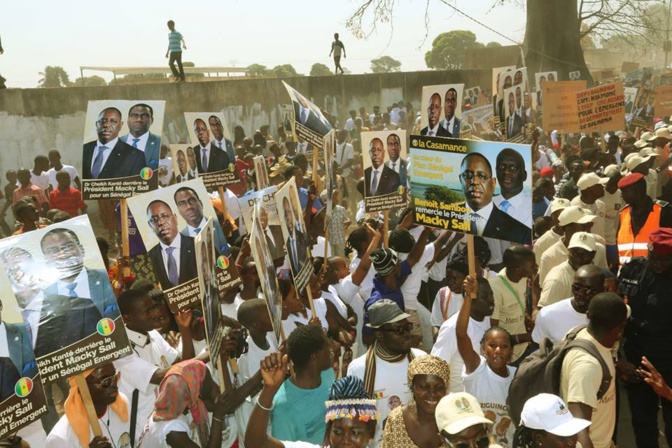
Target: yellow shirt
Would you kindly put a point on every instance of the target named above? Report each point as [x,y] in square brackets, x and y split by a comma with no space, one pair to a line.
[509,308]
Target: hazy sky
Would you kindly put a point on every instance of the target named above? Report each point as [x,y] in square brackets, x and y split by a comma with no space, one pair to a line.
[127,33]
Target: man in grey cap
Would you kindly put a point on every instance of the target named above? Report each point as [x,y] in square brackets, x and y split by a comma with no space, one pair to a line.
[383,367]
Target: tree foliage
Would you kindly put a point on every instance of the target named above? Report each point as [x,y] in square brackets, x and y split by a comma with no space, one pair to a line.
[443,194]
[257,70]
[90,81]
[385,64]
[54,76]
[319,69]
[284,71]
[449,49]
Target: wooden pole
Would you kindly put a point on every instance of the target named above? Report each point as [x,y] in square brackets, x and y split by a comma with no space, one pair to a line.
[472,257]
[88,404]
[125,245]
[316,177]
[386,226]
[326,246]
[310,301]
[222,197]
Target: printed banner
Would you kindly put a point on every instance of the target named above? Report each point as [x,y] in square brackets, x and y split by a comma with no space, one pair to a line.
[174,216]
[62,293]
[122,144]
[663,104]
[311,125]
[385,170]
[294,234]
[441,110]
[261,172]
[473,97]
[559,109]
[213,149]
[601,108]
[454,187]
[643,111]
[184,163]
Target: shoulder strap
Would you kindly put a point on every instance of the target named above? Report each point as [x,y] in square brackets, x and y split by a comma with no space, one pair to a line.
[513,291]
[590,348]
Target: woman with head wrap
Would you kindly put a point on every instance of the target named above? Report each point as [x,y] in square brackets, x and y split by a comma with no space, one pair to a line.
[180,417]
[350,413]
[414,425]
[73,430]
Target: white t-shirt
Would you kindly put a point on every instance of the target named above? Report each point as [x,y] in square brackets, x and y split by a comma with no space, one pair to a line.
[445,347]
[613,204]
[294,320]
[333,297]
[555,320]
[491,391]
[411,287]
[299,445]
[510,307]
[391,387]
[155,436]
[558,284]
[63,436]
[367,284]
[41,181]
[580,380]
[71,170]
[543,243]
[137,370]
[598,209]
[445,305]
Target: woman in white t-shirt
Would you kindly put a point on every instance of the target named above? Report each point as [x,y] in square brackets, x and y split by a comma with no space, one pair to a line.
[351,415]
[186,386]
[487,376]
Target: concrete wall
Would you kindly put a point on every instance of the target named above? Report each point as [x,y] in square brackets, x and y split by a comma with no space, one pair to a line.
[34,121]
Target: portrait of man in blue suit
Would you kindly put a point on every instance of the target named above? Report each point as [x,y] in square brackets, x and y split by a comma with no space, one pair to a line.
[394,161]
[140,119]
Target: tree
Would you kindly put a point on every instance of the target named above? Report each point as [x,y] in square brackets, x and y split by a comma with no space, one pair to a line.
[449,50]
[257,70]
[90,81]
[319,69]
[284,71]
[54,76]
[493,45]
[385,64]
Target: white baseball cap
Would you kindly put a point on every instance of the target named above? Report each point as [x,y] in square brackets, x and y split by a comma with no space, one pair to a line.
[559,204]
[648,137]
[547,412]
[664,133]
[636,160]
[648,152]
[575,215]
[458,411]
[590,180]
[608,170]
[639,144]
[583,240]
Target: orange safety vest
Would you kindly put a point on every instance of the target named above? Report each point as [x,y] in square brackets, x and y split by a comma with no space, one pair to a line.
[630,245]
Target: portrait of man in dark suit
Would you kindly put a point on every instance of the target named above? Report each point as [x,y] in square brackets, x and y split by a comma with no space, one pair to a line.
[433,127]
[378,178]
[65,254]
[273,235]
[223,143]
[184,172]
[190,208]
[140,118]
[478,185]
[450,122]
[110,157]
[305,115]
[210,299]
[19,362]
[514,123]
[296,242]
[394,161]
[209,158]
[174,258]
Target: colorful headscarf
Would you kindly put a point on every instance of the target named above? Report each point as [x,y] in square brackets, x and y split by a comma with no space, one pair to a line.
[348,399]
[429,365]
[75,411]
[180,389]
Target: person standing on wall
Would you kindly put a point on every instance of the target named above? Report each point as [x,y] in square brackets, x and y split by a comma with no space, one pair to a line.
[175,52]
[2,80]
[336,48]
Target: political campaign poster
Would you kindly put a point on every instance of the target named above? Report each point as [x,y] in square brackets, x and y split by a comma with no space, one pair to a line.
[540,77]
[514,118]
[630,95]
[663,103]
[642,112]
[183,161]
[294,234]
[502,78]
[441,110]
[575,75]
[331,182]
[385,163]
[287,119]
[169,220]
[472,96]
[261,172]
[310,123]
[263,260]
[559,109]
[121,151]
[62,293]
[268,216]
[497,76]
[474,187]
[213,148]
[479,122]
[601,107]
[204,243]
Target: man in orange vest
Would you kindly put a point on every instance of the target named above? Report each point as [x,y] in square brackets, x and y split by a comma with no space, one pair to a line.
[639,218]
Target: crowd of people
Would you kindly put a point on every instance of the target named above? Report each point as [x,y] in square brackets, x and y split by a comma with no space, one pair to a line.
[404,341]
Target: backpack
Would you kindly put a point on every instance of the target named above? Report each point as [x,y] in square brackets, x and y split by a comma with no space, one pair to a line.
[540,372]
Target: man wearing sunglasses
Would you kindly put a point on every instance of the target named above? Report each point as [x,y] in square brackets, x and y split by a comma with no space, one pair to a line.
[383,367]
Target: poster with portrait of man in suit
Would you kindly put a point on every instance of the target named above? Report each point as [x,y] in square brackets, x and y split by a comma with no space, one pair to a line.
[309,122]
[183,159]
[294,234]
[56,283]
[441,110]
[386,170]
[477,187]
[262,252]
[212,145]
[122,145]
[514,118]
[208,290]
[540,77]
[169,221]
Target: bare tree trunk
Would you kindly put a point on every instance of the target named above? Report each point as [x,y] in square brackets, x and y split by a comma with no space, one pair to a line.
[552,39]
